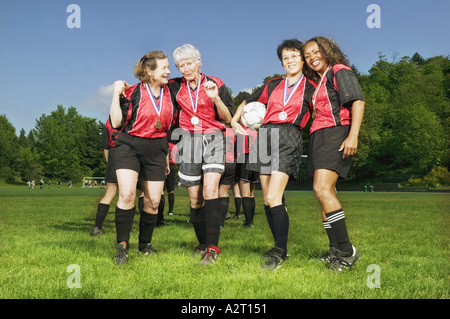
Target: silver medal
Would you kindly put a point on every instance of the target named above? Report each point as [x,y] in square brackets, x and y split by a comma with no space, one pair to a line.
[282,116]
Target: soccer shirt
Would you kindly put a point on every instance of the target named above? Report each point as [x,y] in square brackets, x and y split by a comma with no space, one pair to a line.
[109,136]
[206,110]
[140,115]
[273,95]
[339,88]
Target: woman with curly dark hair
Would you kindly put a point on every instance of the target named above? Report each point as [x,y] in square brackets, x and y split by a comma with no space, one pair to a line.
[337,109]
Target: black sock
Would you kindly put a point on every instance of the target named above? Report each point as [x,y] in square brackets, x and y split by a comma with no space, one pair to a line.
[141,204]
[224,202]
[330,233]
[237,204]
[212,221]
[339,227]
[161,206]
[147,225]
[281,226]
[102,211]
[248,210]
[252,200]
[197,218]
[124,222]
[171,202]
[269,220]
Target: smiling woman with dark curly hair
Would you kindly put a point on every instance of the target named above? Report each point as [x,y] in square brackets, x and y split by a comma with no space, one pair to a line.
[337,109]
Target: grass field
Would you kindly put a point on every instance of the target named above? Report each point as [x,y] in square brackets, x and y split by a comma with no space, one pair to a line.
[43,233]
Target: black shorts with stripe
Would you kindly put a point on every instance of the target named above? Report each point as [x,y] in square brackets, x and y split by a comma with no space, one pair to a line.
[200,153]
[110,173]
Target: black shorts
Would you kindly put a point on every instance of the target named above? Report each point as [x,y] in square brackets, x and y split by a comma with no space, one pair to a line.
[145,156]
[242,173]
[323,151]
[198,154]
[110,173]
[228,175]
[278,147]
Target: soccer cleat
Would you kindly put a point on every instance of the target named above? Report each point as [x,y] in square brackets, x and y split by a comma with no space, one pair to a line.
[275,258]
[344,260]
[97,231]
[329,256]
[147,250]
[198,252]
[121,253]
[210,255]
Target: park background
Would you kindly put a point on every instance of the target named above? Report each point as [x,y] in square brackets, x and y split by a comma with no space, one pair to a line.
[55,91]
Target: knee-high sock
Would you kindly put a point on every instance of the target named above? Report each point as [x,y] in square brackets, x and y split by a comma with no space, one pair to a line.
[124,222]
[197,218]
[281,226]
[102,211]
[248,210]
[269,220]
[339,227]
[171,202]
[147,225]
[212,221]
[162,204]
[237,204]
[224,202]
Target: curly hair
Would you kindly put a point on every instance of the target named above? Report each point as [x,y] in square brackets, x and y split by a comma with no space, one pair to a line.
[329,50]
[148,61]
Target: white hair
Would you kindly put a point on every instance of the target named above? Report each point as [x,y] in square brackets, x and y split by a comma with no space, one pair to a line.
[186,51]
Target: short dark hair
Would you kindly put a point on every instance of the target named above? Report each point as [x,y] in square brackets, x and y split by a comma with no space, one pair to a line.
[292,44]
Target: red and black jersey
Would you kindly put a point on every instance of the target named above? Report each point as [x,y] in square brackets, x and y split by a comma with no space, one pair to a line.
[109,136]
[334,99]
[273,95]
[139,114]
[172,153]
[206,109]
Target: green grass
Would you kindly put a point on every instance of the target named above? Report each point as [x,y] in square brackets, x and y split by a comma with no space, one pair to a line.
[42,232]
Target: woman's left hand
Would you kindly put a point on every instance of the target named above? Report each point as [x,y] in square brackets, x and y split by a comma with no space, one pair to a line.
[349,146]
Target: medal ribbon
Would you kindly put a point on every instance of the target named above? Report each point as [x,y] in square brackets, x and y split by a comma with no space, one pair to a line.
[317,91]
[155,105]
[288,96]
[194,105]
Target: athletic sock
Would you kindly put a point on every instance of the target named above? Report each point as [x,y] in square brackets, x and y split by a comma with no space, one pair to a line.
[102,211]
[336,220]
[224,202]
[147,225]
[197,218]
[237,204]
[162,204]
[212,221]
[281,225]
[330,233]
[141,204]
[247,206]
[269,220]
[124,222]
[171,202]
[252,200]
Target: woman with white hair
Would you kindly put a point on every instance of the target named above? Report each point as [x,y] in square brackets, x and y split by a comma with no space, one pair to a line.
[204,104]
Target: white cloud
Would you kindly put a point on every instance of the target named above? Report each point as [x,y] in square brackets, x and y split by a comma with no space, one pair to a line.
[98,103]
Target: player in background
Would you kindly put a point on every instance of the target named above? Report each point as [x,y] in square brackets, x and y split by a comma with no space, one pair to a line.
[108,142]
[337,109]
[204,104]
[287,101]
[145,113]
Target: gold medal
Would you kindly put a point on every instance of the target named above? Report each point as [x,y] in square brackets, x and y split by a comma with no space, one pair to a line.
[158,125]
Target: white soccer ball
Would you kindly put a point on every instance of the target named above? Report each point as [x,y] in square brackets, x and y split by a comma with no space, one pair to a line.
[253,115]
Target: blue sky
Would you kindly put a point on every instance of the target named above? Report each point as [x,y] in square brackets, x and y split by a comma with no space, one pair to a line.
[44,63]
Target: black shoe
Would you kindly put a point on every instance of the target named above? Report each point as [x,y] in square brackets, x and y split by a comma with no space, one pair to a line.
[329,256]
[237,216]
[97,231]
[147,250]
[210,255]
[275,258]
[344,260]
[121,253]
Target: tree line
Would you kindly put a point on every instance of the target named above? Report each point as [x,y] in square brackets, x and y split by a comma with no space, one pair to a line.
[404,132]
